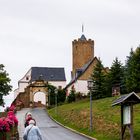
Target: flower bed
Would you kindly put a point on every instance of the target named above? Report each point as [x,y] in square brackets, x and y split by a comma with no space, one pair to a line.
[8,125]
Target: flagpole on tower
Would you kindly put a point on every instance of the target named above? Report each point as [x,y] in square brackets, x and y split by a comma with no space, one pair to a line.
[82,28]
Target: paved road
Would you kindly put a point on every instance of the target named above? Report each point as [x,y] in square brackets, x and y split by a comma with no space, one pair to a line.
[49,129]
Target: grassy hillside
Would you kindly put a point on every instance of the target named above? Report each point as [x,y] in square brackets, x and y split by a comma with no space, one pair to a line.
[106,119]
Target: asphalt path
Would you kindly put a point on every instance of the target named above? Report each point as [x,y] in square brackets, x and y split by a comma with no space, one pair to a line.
[50,130]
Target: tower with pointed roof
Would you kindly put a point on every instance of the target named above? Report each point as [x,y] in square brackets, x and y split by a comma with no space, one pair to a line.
[83,65]
[82,53]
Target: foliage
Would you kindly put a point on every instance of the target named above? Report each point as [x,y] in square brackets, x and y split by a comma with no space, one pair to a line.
[115,77]
[71,97]
[80,96]
[132,74]
[4,125]
[61,95]
[8,122]
[5,88]
[98,77]
[116,72]
[51,90]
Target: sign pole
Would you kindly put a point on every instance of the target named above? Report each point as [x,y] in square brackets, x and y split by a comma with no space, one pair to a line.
[91,111]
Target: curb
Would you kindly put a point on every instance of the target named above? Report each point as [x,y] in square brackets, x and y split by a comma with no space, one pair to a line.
[89,137]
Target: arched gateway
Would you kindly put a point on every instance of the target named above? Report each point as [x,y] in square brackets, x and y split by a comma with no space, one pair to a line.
[32,88]
[31,95]
[38,92]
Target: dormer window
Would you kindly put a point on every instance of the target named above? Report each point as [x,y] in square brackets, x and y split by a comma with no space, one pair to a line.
[78,72]
[27,78]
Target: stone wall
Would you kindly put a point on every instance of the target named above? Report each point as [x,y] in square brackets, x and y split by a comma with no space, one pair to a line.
[89,71]
[27,96]
[83,52]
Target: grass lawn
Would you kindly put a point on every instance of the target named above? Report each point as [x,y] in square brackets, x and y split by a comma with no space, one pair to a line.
[106,119]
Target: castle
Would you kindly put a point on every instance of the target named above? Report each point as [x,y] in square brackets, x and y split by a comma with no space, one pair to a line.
[83,64]
[35,80]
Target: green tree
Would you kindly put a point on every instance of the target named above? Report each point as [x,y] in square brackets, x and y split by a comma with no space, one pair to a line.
[98,76]
[5,86]
[71,97]
[116,75]
[61,95]
[132,74]
[129,70]
[51,97]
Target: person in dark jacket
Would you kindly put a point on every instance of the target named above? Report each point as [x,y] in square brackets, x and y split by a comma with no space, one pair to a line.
[28,117]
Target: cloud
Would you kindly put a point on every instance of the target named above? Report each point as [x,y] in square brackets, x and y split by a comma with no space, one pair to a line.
[40,33]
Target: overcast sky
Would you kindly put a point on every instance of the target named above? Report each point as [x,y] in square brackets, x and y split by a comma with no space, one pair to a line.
[40,32]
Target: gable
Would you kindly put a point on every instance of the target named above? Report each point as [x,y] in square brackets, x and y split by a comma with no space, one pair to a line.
[26,78]
[86,69]
[87,73]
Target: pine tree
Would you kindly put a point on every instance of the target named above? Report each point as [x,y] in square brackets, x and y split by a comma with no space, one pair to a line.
[98,76]
[128,71]
[61,95]
[71,97]
[116,74]
[132,74]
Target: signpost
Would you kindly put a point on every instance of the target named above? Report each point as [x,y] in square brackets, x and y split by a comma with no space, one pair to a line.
[92,88]
[126,115]
[56,91]
[127,102]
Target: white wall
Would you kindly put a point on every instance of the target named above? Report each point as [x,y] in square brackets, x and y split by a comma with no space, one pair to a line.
[22,86]
[58,83]
[23,83]
[28,74]
[79,86]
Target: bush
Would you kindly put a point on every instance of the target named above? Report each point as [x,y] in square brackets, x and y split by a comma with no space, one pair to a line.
[8,124]
[61,96]
[71,97]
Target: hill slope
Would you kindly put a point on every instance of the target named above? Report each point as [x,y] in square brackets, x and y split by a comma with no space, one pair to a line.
[106,119]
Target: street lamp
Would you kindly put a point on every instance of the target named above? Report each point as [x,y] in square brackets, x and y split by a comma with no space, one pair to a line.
[90,86]
[56,91]
[49,97]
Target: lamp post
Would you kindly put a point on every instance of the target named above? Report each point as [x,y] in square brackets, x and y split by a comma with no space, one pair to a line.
[90,87]
[56,101]
[49,97]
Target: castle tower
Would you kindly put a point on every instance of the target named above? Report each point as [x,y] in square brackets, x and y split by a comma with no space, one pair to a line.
[82,53]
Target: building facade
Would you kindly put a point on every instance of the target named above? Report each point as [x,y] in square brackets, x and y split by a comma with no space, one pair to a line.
[35,81]
[83,64]
[82,53]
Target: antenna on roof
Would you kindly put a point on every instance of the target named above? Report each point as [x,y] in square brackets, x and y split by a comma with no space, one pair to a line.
[82,28]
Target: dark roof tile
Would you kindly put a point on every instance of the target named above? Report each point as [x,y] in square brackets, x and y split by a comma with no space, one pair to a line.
[47,74]
[131,97]
[83,37]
